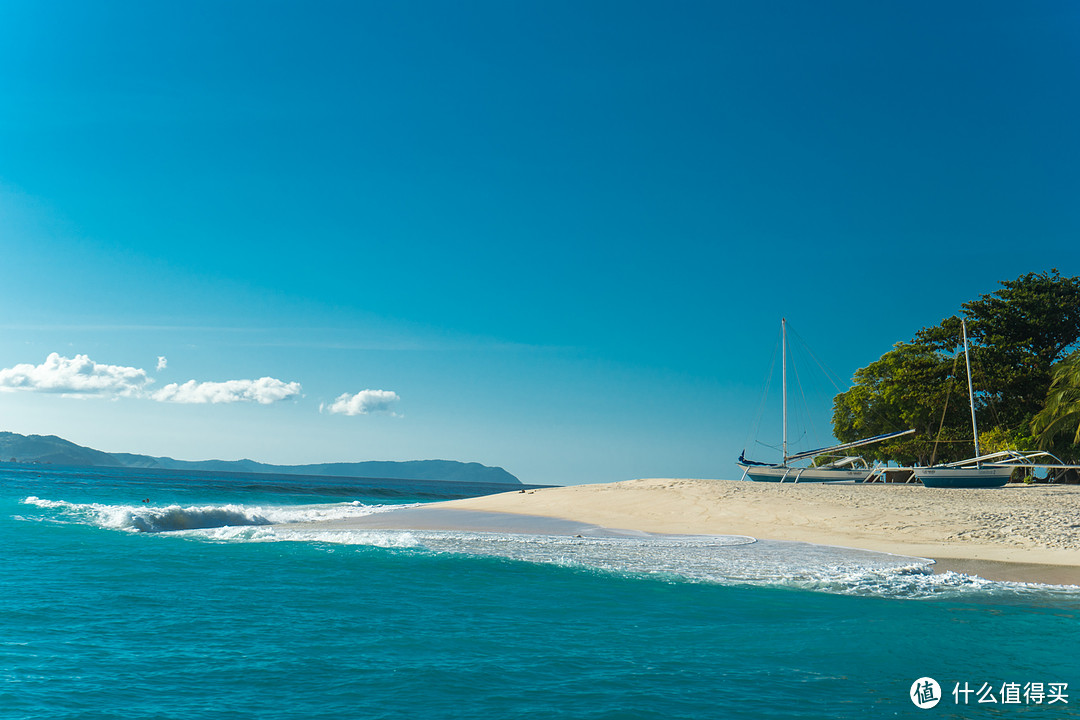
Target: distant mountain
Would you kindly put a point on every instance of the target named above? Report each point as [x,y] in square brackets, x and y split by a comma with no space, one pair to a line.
[52,450]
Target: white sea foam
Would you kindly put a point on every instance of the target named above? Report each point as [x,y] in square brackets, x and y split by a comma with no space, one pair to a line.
[170,518]
[371,538]
[728,559]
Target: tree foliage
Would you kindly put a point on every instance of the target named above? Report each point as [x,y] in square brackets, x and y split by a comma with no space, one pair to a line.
[1057,425]
[911,386]
[1016,334]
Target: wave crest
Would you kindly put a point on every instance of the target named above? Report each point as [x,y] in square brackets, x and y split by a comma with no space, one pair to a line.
[172,518]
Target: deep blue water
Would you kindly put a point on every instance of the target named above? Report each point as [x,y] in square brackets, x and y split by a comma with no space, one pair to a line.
[110,609]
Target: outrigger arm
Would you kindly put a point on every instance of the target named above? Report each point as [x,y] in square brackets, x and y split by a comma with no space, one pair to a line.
[846,446]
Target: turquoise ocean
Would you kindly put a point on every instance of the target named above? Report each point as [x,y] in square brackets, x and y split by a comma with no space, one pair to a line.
[150,594]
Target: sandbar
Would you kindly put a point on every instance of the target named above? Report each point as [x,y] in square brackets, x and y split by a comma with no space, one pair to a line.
[1023,533]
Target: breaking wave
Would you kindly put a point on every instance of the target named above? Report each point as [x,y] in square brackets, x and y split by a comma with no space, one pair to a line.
[171,518]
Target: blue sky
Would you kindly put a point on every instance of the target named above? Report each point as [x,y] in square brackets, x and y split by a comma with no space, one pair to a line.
[558,236]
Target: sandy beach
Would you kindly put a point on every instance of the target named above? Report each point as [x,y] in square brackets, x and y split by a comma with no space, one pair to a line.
[1027,533]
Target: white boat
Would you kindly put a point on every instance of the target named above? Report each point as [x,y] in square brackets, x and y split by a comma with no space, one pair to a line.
[975,476]
[790,473]
[973,473]
[845,468]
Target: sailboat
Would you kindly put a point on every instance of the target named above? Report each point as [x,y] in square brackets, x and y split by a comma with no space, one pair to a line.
[845,468]
[971,473]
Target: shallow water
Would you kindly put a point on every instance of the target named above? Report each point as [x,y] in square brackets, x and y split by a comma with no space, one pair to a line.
[203,602]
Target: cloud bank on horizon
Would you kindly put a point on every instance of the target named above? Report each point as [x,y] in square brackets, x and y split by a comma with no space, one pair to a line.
[82,377]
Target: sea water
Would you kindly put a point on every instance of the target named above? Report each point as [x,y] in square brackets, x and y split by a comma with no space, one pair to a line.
[148,594]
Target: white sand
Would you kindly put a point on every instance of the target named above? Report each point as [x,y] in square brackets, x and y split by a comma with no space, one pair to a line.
[1035,529]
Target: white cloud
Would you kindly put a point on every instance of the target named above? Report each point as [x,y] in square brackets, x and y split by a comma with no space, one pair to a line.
[82,376]
[75,376]
[363,403]
[264,391]
[162,363]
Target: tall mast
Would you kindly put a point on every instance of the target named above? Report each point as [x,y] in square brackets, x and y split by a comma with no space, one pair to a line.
[971,391]
[783,372]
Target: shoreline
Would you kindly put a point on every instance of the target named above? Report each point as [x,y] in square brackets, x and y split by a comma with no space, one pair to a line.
[1018,533]
[1022,533]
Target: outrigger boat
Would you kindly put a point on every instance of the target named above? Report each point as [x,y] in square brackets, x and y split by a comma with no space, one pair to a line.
[984,471]
[976,472]
[843,468]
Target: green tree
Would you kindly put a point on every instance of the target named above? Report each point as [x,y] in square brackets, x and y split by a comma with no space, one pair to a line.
[1057,425]
[1017,334]
[911,386]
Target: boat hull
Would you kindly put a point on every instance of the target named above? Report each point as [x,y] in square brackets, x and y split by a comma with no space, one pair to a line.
[986,477]
[765,473]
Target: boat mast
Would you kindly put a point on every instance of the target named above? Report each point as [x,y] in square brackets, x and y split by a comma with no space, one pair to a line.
[971,392]
[783,373]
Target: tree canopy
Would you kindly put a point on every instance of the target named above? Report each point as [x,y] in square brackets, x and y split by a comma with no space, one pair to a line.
[1018,335]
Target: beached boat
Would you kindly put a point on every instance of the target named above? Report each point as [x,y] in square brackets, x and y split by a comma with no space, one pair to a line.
[785,472]
[843,468]
[969,476]
[972,473]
